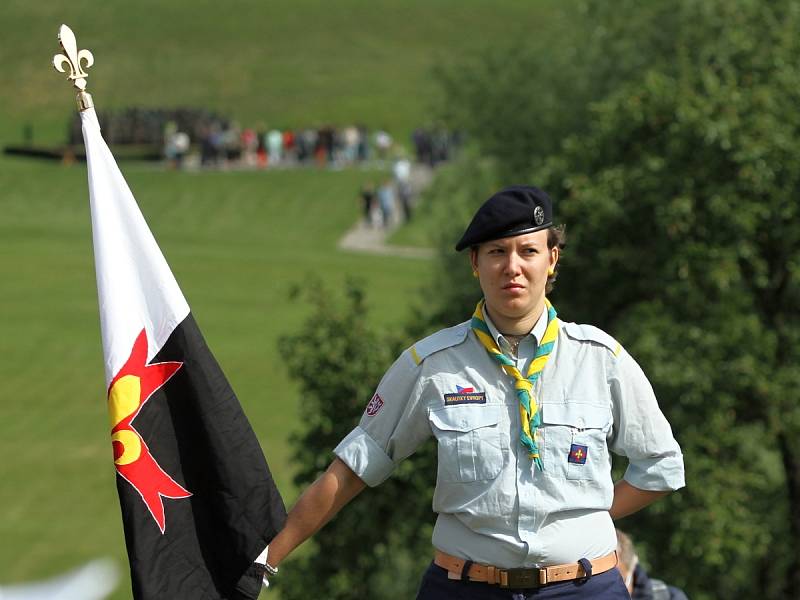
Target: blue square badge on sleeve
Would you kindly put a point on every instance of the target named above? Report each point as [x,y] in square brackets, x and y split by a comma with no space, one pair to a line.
[578,454]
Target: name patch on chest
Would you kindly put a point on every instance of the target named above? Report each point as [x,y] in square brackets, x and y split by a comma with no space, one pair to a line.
[578,454]
[465,395]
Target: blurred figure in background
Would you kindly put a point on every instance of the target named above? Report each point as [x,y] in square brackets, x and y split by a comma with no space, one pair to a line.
[383,143]
[422,146]
[231,144]
[261,147]
[639,584]
[176,145]
[362,153]
[249,144]
[274,147]
[289,147]
[351,138]
[386,202]
[325,145]
[170,129]
[402,177]
[307,144]
[368,202]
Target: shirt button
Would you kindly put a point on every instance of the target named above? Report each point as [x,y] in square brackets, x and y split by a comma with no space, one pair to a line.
[580,422]
[464,423]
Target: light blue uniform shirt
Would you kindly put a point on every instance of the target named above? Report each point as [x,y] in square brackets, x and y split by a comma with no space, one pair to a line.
[494,507]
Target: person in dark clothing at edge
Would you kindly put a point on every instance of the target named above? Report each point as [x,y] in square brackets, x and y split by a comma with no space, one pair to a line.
[640,585]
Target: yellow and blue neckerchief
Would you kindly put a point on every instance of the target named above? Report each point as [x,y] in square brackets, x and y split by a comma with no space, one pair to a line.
[528,409]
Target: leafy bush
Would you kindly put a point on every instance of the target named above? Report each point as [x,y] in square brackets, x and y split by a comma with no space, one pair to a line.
[378,546]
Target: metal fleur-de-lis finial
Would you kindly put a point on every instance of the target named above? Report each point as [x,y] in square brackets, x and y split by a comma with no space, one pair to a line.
[74,59]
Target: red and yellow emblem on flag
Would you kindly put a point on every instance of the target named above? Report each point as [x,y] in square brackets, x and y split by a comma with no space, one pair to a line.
[176,425]
[129,391]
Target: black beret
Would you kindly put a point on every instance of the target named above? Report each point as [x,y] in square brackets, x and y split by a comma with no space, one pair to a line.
[515,210]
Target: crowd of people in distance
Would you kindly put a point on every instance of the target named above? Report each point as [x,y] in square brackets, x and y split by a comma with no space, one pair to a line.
[200,138]
[225,144]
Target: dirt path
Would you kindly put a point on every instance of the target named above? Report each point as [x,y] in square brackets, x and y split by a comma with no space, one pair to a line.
[363,237]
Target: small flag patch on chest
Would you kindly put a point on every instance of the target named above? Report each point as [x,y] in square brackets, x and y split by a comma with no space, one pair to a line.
[577,454]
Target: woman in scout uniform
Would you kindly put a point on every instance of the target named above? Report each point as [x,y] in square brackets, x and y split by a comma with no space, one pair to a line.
[525,410]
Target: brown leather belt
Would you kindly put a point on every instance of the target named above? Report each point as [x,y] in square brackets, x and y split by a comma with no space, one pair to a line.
[521,578]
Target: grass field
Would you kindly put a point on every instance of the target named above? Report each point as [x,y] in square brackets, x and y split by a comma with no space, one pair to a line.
[288,63]
[236,241]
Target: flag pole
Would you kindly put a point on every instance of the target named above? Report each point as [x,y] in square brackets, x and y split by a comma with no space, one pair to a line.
[74,59]
[197,497]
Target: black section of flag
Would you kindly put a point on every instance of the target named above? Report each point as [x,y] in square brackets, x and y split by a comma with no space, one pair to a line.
[196,430]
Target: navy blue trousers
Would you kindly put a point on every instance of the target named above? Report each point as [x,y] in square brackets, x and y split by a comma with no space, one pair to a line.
[605,586]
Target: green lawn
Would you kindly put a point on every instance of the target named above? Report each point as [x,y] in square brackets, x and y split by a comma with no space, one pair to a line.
[237,243]
[288,63]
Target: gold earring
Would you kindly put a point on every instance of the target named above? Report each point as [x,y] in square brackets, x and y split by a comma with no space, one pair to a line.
[551,272]
[475,274]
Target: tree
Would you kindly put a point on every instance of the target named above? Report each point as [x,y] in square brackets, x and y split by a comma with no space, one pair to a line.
[379,544]
[680,189]
[518,101]
[684,195]
[676,165]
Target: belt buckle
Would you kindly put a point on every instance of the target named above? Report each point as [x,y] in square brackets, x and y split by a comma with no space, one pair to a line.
[522,578]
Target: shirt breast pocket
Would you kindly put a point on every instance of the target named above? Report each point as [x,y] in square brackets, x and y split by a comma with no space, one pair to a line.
[470,442]
[575,439]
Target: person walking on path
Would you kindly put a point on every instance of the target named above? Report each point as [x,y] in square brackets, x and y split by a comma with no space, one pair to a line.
[386,203]
[401,170]
[368,202]
[526,410]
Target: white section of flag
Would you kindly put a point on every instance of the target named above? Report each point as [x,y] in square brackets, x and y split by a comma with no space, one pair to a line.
[135,286]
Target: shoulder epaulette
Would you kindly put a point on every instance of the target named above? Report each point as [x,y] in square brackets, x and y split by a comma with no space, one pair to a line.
[590,333]
[445,338]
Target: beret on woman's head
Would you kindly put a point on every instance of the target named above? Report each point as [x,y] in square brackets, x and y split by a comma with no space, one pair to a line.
[515,210]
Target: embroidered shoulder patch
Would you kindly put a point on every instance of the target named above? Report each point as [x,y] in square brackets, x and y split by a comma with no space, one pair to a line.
[578,454]
[374,405]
